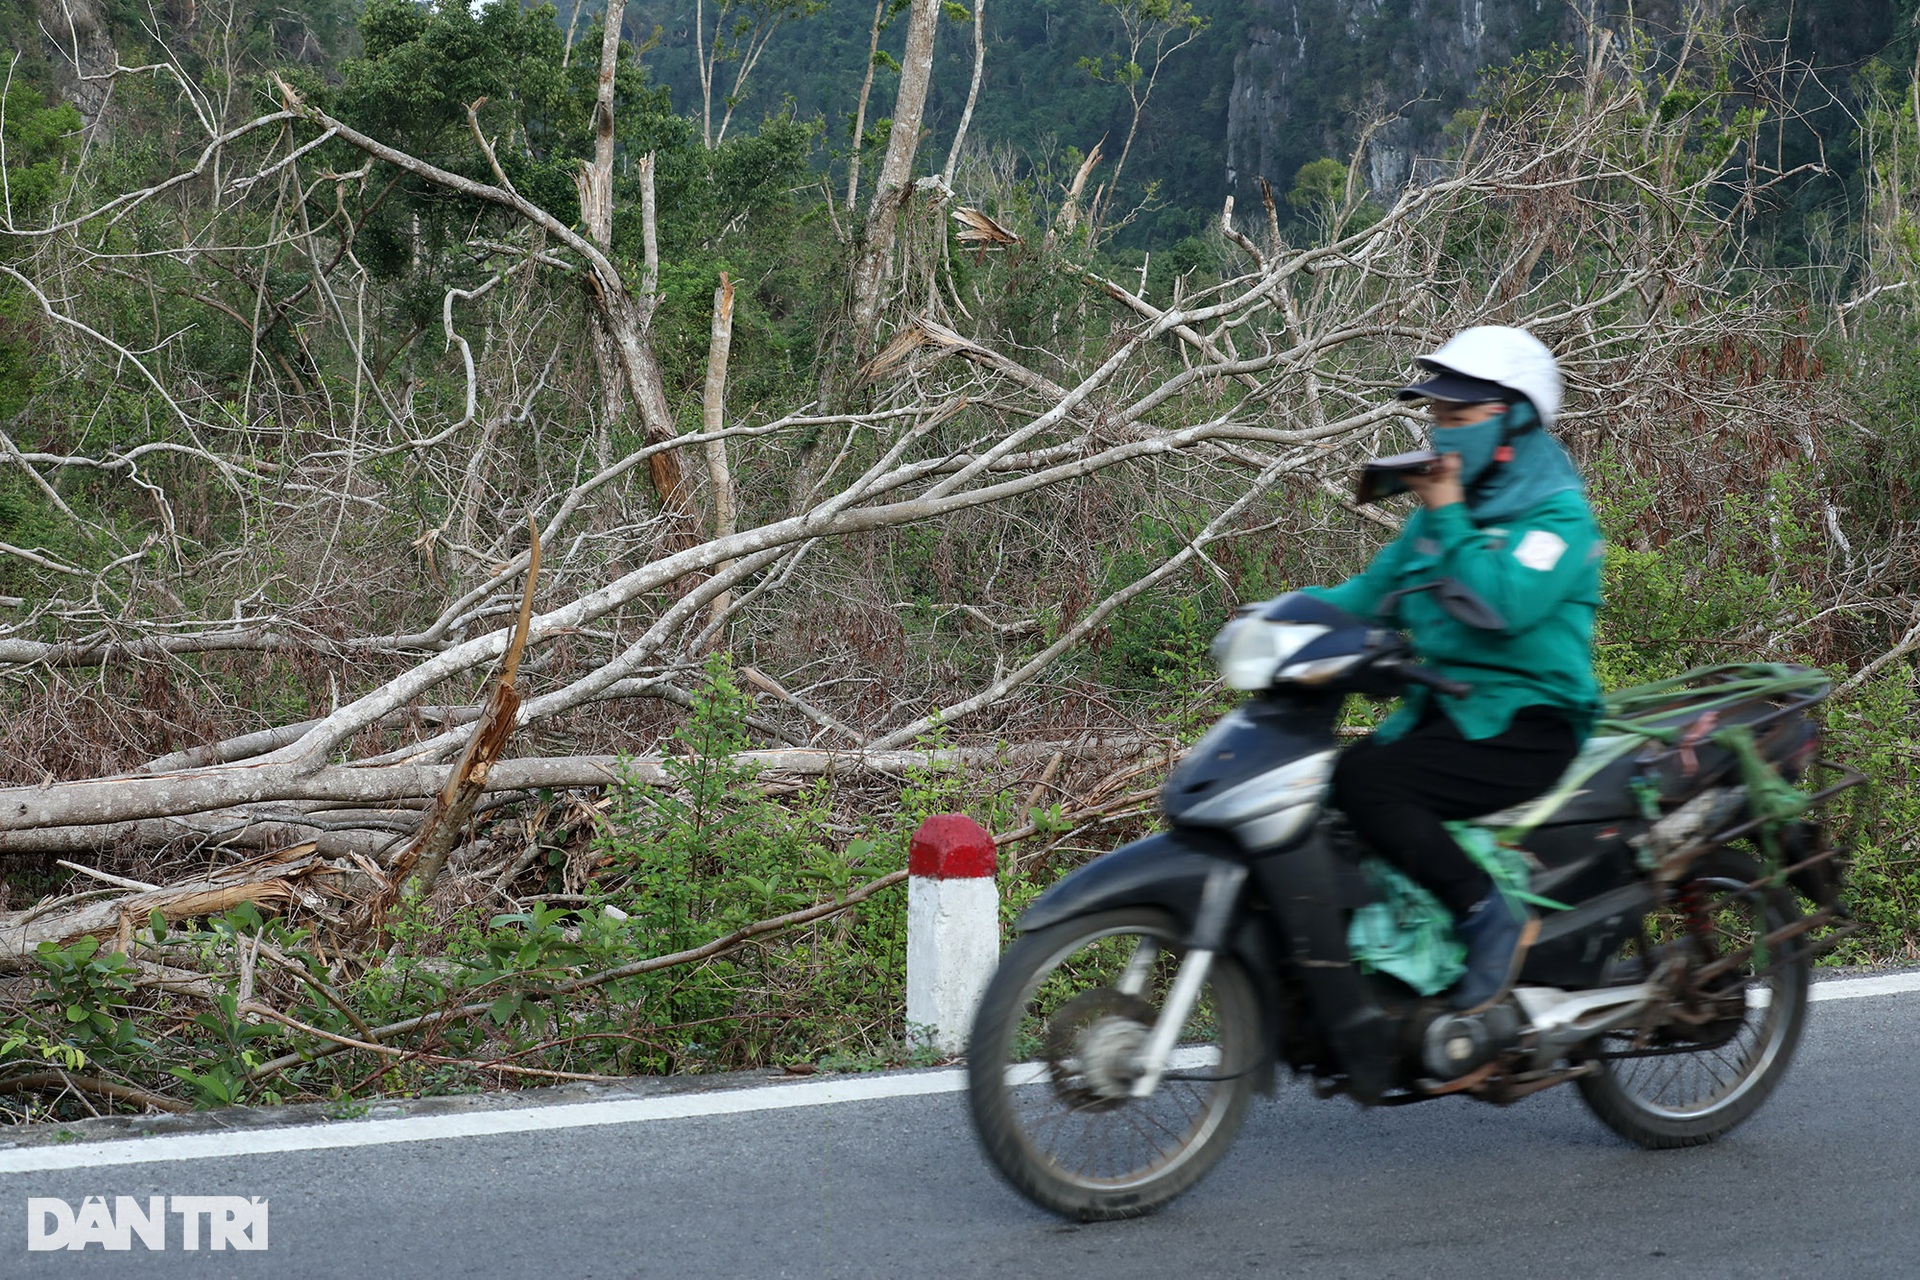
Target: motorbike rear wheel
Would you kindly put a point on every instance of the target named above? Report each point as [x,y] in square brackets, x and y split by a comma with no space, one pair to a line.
[1706,1071]
[1050,1064]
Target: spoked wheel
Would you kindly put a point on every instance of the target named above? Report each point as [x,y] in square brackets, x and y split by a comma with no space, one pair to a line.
[1731,1034]
[1052,1063]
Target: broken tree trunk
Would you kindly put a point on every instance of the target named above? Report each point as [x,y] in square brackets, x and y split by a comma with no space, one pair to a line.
[713,406]
[874,246]
[619,320]
[418,865]
[896,172]
[269,881]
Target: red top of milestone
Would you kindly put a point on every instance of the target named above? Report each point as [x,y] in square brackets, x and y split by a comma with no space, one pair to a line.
[951,846]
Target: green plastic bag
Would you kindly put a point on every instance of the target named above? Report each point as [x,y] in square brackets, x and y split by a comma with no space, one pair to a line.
[1408,935]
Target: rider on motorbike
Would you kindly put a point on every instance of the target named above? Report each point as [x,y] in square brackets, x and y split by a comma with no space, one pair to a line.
[1504,512]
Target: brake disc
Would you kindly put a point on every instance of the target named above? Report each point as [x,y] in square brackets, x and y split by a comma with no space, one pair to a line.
[1093,1047]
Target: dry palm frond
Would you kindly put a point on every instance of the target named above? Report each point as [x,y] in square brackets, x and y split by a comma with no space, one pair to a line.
[979,231]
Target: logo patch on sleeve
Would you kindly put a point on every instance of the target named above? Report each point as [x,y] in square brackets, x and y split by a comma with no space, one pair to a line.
[1540,549]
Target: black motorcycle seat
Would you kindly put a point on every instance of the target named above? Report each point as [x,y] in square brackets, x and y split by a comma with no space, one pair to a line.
[1602,774]
[1605,766]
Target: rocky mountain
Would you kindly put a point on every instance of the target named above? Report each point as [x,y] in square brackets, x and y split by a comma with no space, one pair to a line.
[1312,71]
[1309,73]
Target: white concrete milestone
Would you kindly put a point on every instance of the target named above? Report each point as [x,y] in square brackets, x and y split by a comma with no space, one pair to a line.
[953,929]
[953,944]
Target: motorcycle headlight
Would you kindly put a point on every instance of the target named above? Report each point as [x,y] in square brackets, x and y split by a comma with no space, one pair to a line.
[1251,650]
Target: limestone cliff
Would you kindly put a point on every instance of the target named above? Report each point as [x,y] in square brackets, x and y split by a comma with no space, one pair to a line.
[1311,70]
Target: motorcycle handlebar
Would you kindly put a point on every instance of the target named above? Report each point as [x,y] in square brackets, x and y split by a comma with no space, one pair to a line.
[1414,673]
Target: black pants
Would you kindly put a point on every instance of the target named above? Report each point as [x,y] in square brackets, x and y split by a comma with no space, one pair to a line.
[1397,794]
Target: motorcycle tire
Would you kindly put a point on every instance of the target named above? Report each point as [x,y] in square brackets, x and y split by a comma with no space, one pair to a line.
[1690,1087]
[1050,1062]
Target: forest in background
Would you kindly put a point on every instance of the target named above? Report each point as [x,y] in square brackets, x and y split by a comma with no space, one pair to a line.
[1049,92]
[494,569]
[1043,101]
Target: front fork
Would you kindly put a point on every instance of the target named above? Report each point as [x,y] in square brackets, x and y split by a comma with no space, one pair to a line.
[1207,936]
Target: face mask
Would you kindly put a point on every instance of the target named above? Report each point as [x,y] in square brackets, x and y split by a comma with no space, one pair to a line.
[1477,444]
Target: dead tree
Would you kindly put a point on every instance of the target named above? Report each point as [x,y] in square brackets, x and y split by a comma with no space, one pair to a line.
[891,187]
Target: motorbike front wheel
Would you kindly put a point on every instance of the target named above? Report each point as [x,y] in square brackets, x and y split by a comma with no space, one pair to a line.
[1052,1061]
[1728,1039]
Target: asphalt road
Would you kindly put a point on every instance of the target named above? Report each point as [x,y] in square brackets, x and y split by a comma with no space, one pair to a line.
[1822,1180]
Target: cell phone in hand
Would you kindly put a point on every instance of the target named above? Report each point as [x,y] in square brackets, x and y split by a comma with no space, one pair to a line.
[1384,477]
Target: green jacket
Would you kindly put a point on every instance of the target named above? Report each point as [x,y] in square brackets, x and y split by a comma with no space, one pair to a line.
[1541,571]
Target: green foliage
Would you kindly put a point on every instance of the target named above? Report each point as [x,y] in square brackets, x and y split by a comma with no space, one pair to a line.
[1320,197]
[680,866]
[1159,641]
[727,205]
[1034,100]
[90,993]
[424,66]
[221,1081]
[422,69]
[1873,731]
[712,851]
[41,140]
[1672,606]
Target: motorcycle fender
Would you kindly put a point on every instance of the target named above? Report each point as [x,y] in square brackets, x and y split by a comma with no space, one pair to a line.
[1166,870]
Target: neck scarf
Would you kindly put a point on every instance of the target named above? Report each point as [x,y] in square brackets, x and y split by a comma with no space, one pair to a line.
[1538,469]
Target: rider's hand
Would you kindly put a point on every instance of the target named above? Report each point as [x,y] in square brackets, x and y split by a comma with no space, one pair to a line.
[1440,487]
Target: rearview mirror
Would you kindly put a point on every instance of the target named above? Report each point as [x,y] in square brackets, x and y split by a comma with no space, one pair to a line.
[1461,603]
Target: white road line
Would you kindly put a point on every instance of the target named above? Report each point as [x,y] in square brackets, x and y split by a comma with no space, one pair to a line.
[575,1115]
[1891,984]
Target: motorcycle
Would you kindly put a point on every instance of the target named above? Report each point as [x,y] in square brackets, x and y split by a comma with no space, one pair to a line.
[1152,991]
